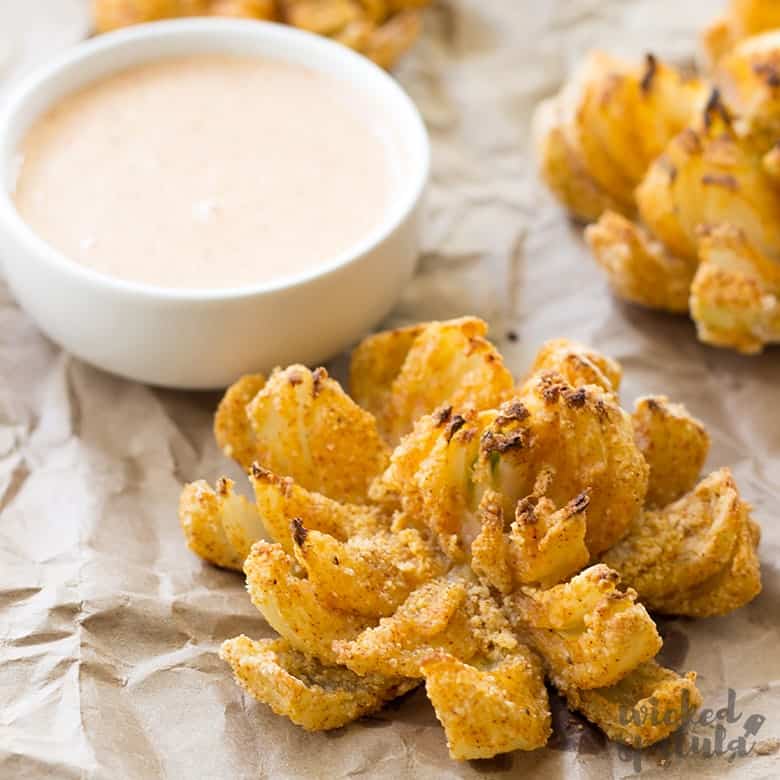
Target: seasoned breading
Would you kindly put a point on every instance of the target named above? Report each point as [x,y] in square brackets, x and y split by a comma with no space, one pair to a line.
[743,18]
[232,428]
[432,472]
[646,706]
[290,604]
[375,363]
[578,365]
[708,241]
[413,449]
[386,43]
[242,9]
[213,521]
[426,367]
[586,439]
[382,30]
[490,549]
[291,424]
[492,708]
[639,269]
[597,137]
[366,574]
[735,585]
[308,692]
[544,546]
[695,556]
[432,618]
[735,297]
[441,470]
[280,501]
[674,444]
[747,80]
[681,178]
[459,558]
[589,632]
[563,169]
[710,174]
[306,427]
[113,14]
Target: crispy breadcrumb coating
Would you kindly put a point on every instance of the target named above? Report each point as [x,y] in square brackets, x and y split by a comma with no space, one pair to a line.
[587,440]
[232,428]
[469,557]
[735,297]
[402,375]
[684,210]
[646,706]
[492,708]
[280,501]
[215,522]
[291,606]
[306,427]
[696,556]
[544,545]
[366,574]
[597,137]
[747,79]
[311,694]
[382,30]
[708,242]
[577,434]
[639,268]
[674,444]
[709,174]
[589,632]
[434,617]
[742,19]
[578,365]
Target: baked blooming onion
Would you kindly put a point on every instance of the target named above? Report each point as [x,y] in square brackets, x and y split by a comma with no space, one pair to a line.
[681,178]
[382,30]
[449,526]
[742,19]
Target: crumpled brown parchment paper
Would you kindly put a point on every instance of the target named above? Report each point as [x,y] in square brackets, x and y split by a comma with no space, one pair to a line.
[109,627]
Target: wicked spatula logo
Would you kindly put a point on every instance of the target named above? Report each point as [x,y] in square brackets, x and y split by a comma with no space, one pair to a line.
[730,733]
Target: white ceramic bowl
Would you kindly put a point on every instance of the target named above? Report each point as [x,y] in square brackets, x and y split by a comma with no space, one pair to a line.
[196,338]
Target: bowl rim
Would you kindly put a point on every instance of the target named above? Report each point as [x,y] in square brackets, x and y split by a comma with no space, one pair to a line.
[80,55]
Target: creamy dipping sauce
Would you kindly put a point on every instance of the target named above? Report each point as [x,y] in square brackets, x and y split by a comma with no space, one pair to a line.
[206,171]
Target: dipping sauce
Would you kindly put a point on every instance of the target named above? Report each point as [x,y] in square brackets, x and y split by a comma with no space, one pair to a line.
[206,171]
